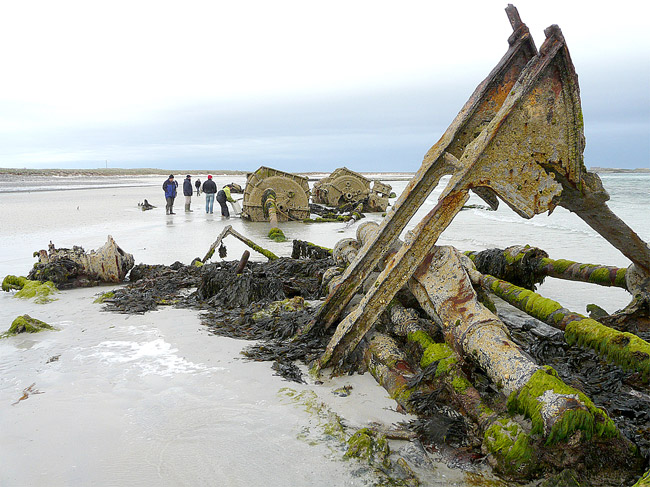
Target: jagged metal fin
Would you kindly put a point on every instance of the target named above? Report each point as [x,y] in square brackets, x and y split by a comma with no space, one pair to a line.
[470,121]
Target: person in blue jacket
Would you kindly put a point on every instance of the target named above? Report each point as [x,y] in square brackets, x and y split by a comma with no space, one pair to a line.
[169,186]
[187,192]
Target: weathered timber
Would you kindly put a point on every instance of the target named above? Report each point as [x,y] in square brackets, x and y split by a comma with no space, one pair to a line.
[526,266]
[439,161]
[228,230]
[625,349]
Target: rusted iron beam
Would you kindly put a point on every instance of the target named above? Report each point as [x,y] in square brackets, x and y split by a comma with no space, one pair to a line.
[624,349]
[527,266]
[440,160]
[499,159]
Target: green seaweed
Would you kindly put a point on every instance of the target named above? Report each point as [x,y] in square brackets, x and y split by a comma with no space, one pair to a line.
[277,235]
[559,265]
[511,446]
[460,384]
[590,419]
[26,324]
[11,283]
[643,481]
[367,445]
[104,296]
[528,301]
[623,348]
[620,280]
[41,291]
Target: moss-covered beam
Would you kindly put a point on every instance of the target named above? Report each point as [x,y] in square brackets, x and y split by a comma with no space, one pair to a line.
[230,231]
[622,348]
[643,481]
[527,266]
[575,271]
[509,446]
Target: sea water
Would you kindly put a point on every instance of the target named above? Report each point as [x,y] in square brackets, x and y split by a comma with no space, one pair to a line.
[154,399]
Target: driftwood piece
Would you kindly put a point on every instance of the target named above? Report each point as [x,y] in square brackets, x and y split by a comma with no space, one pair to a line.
[228,230]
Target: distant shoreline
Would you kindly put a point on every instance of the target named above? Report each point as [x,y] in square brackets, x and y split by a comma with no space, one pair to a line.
[108,172]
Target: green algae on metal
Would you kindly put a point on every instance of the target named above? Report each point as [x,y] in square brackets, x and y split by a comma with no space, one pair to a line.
[591,420]
[26,324]
[623,348]
[510,445]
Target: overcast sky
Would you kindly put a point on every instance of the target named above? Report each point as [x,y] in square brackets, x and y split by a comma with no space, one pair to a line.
[296,85]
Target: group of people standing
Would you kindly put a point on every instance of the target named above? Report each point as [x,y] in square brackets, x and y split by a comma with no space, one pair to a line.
[209,188]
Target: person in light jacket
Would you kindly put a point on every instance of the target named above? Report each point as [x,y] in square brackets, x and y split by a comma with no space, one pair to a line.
[222,196]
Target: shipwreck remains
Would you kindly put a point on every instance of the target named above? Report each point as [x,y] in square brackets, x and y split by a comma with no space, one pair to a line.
[345,187]
[275,196]
[558,395]
[520,139]
[75,267]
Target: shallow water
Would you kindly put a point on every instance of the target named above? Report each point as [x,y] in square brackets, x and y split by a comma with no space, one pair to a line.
[155,400]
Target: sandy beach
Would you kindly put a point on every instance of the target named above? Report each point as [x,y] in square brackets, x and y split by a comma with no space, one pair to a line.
[153,399]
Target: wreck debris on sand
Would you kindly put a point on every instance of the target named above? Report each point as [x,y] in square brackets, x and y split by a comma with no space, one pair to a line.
[345,187]
[75,267]
[275,196]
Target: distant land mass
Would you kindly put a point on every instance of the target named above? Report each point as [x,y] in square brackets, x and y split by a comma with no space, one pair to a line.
[116,171]
[641,170]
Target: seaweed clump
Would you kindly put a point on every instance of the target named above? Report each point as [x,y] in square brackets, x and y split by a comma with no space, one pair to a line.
[26,324]
[152,286]
[26,289]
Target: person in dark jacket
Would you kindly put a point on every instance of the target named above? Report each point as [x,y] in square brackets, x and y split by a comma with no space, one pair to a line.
[197,184]
[209,188]
[187,192]
[222,196]
[169,186]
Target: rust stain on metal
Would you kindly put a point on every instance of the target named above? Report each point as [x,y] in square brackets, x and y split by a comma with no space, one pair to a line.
[529,93]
